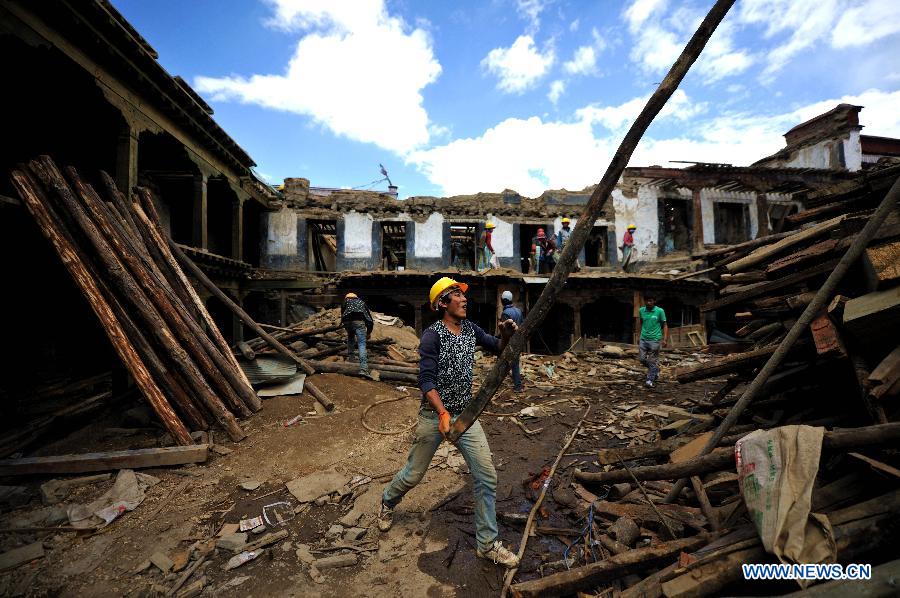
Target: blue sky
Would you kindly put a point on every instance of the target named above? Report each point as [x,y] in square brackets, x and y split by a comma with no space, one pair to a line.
[461,97]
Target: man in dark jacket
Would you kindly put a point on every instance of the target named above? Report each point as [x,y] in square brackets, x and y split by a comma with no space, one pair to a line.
[447,352]
[511,312]
[358,323]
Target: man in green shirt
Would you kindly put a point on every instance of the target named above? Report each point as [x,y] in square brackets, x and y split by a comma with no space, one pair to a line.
[654,334]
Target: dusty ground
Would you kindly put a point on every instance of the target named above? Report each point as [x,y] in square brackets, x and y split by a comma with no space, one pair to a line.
[430,550]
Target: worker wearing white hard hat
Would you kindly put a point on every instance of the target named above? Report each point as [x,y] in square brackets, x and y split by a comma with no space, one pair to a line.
[511,312]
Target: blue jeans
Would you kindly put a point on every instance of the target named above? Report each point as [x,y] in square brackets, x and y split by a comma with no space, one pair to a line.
[475,450]
[516,375]
[356,334]
[648,353]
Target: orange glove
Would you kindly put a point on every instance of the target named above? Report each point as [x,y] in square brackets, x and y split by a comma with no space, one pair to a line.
[444,422]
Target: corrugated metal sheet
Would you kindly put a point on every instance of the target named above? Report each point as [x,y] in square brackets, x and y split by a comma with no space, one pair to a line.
[268,368]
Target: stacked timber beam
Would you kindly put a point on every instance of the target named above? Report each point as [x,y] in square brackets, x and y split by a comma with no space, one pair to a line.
[815,315]
[114,248]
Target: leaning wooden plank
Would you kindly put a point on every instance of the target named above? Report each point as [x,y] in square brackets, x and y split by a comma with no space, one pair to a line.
[873,316]
[763,254]
[886,376]
[620,565]
[75,262]
[726,365]
[87,462]
[812,254]
[19,556]
[767,288]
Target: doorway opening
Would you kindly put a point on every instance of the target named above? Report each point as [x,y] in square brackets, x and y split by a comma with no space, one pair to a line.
[463,240]
[595,247]
[607,319]
[393,245]
[554,336]
[527,237]
[322,235]
[674,227]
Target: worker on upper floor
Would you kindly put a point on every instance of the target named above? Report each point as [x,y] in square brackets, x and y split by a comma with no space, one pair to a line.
[628,247]
[358,323]
[486,256]
[543,253]
[562,237]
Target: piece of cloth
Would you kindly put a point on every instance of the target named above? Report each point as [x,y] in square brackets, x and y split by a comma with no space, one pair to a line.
[354,309]
[777,469]
[356,335]
[648,354]
[474,447]
[446,361]
[652,321]
[511,312]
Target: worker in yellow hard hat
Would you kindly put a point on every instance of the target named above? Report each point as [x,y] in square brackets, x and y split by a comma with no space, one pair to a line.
[447,359]
[628,247]
[562,237]
[486,258]
[358,323]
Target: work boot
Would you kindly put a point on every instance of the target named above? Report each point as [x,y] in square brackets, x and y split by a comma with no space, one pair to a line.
[368,374]
[499,554]
[649,383]
[385,517]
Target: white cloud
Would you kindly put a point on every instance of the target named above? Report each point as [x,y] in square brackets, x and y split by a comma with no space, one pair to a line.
[866,23]
[659,38]
[573,26]
[584,62]
[556,90]
[532,155]
[520,66]
[531,10]
[346,47]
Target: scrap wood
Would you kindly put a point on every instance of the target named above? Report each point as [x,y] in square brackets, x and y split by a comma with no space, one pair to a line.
[537,505]
[764,253]
[600,195]
[19,556]
[87,462]
[823,296]
[882,467]
[640,486]
[594,574]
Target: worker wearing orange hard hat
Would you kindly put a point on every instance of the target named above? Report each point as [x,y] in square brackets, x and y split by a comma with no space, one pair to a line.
[446,364]
[543,252]
[358,323]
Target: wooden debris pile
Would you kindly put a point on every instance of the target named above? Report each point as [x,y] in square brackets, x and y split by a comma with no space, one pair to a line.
[322,341]
[815,320]
[117,253]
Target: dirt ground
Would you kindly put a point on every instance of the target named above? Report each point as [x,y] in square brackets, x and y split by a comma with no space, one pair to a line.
[430,549]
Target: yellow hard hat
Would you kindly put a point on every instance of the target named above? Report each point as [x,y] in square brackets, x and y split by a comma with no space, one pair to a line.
[349,295]
[632,226]
[489,225]
[438,289]
[565,221]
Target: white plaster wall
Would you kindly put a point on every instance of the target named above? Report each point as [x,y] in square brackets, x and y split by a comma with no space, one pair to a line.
[281,233]
[430,237]
[357,235]
[502,240]
[853,152]
[642,212]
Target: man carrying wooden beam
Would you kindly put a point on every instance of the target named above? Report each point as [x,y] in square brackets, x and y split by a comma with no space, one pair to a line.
[447,351]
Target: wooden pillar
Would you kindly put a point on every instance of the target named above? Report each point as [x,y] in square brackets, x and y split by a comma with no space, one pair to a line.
[200,229]
[697,228]
[127,159]
[237,228]
[762,214]
[282,309]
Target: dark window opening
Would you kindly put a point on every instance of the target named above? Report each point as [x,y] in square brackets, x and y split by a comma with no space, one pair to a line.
[527,238]
[463,240]
[674,225]
[554,336]
[777,214]
[219,200]
[393,245]
[678,314]
[252,215]
[607,319]
[322,236]
[595,247]
[732,222]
